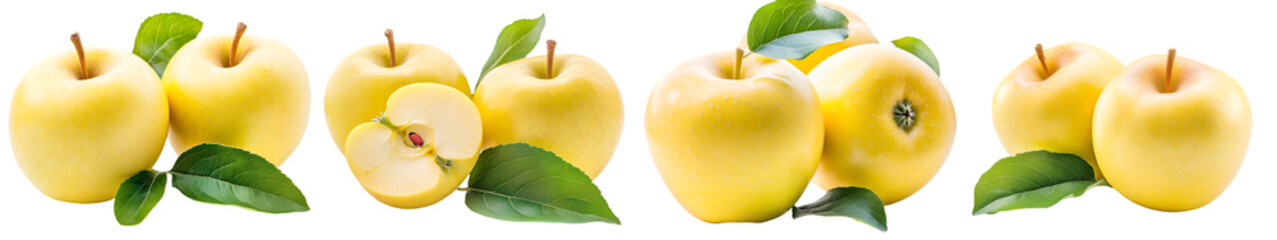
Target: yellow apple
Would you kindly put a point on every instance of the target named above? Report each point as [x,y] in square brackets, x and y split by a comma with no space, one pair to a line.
[857,33]
[77,133]
[735,147]
[574,112]
[420,150]
[361,84]
[1171,140]
[250,93]
[1036,109]
[889,123]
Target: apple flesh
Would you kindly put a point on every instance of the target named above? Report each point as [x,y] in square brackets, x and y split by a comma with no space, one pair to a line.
[78,138]
[1037,109]
[889,122]
[421,150]
[259,102]
[576,113]
[1176,146]
[735,148]
[363,81]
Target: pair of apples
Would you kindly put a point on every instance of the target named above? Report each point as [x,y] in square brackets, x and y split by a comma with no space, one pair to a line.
[428,130]
[83,121]
[739,139]
[1166,132]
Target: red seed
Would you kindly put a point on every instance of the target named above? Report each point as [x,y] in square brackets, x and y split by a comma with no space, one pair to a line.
[416,139]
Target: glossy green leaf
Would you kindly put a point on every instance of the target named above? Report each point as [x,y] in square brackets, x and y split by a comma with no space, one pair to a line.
[215,173]
[918,48]
[515,42]
[793,29]
[519,182]
[1036,179]
[854,202]
[138,195]
[161,35]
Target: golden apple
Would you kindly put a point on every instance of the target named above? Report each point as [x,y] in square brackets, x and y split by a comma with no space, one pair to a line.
[735,147]
[857,33]
[420,150]
[363,81]
[1051,109]
[572,109]
[250,93]
[1171,140]
[82,123]
[889,123]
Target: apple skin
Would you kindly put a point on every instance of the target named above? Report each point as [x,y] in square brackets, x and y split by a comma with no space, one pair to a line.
[1054,114]
[735,150]
[857,33]
[1173,151]
[359,87]
[404,176]
[577,114]
[259,105]
[864,146]
[77,140]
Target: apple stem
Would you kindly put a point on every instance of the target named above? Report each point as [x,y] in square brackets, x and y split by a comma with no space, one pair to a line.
[79,50]
[390,40]
[1042,59]
[740,56]
[239,33]
[549,58]
[1170,65]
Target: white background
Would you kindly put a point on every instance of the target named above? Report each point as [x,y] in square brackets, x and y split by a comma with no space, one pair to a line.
[977,42]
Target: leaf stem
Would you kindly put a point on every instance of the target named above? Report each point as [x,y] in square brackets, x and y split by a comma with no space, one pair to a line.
[239,33]
[390,40]
[79,50]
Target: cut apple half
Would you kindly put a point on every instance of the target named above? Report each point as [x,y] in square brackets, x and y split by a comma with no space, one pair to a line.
[420,150]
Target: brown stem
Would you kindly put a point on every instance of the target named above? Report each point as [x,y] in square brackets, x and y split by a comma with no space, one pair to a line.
[740,56]
[1042,59]
[1170,64]
[79,50]
[549,58]
[390,40]
[239,33]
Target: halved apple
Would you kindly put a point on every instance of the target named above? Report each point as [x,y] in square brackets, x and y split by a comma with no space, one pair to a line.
[420,150]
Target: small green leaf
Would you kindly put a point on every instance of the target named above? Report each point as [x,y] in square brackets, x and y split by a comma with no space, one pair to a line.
[219,174]
[519,182]
[918,48]
[138,195]
[162,35]
[515,42]
[793,29]
[1036,179]
[853,202]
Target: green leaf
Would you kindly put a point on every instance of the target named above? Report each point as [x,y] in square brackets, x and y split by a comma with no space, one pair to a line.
[793,29]
[853,202]
[918,48]
[519,182]
[138,195]
[515,42]
[1036,179]
[219,174]
[161,35]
